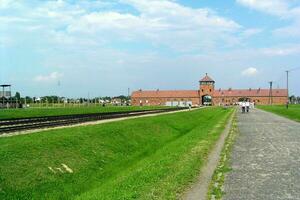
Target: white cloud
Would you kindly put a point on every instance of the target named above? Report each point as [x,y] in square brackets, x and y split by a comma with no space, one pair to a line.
[9,4]
[5,41]
[282,51]
[292,30]
[113,21]
[274,7]
[54,76]
[160,23]
[5,3]
[11,19]
[251,71]
[251,32]
[157,23]
[284,9]
[175,13]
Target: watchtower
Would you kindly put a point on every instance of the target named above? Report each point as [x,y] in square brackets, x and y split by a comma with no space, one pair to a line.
[207,87]
[5,96]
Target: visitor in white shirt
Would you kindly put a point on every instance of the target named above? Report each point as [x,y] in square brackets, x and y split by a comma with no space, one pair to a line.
[247,106]
[243,106]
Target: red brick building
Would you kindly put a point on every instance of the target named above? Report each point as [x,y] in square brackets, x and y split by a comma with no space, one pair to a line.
[207,94]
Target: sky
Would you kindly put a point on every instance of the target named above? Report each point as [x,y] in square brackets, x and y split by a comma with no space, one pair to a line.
[101,48]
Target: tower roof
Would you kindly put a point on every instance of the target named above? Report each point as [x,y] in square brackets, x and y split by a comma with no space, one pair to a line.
[206,78]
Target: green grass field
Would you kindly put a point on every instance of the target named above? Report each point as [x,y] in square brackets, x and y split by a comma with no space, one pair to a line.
[38,112]
[144,158]
[292,113]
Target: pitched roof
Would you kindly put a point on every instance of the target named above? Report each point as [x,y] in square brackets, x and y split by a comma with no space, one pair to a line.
[206,78]
[216,93]
[166,94]
[250,93]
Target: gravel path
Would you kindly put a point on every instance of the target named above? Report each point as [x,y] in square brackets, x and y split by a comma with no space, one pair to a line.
[265,159]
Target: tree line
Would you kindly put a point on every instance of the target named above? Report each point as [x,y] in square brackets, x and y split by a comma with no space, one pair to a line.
[57,99]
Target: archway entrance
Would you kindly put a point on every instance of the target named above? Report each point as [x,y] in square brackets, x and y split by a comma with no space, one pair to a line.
[242,99]
[206,100]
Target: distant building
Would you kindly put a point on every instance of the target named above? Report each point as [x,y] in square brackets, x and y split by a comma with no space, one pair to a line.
[116,101]
[208,95]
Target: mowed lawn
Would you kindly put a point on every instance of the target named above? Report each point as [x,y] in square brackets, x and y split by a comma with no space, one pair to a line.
[293,112]
[144,158]
[39,112]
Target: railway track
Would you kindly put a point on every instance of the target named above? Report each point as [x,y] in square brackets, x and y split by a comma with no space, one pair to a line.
[25,124]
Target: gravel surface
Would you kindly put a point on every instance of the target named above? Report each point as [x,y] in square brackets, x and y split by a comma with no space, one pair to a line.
[265,159]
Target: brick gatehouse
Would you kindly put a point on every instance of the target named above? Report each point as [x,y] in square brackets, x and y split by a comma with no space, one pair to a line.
[207,94]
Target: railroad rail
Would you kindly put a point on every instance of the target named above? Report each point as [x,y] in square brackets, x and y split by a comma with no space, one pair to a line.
[33,123]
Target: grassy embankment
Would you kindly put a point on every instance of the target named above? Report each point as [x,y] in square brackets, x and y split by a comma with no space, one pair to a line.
[292,113]
[38,112]
[216,189]
[145,158]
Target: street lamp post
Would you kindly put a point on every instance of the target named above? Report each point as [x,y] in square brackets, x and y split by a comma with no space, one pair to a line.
[287,87]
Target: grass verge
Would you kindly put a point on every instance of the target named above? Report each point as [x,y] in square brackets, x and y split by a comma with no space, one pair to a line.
[216,188]
[293,112]
[145,158]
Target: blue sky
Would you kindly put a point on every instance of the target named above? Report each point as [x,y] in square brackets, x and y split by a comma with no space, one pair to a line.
[104,47]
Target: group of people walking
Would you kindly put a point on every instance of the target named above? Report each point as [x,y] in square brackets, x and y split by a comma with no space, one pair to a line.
[245,106]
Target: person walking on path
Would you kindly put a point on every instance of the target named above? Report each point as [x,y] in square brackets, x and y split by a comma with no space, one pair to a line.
[243,106]
[247,104]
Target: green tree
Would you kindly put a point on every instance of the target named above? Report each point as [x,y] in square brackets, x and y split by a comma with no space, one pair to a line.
[293,99]
[18,96]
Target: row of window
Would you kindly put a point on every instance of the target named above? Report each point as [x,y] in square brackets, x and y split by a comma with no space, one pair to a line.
[234,100]
[206,83]
[147,101]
